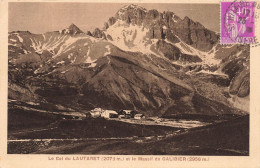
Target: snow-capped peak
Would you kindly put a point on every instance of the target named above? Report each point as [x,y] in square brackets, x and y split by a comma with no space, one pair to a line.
[130,7]
[133,6]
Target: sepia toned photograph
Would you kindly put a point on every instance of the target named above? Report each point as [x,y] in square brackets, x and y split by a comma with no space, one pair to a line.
[129,78]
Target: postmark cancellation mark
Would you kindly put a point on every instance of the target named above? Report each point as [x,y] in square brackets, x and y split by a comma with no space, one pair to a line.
[238,22]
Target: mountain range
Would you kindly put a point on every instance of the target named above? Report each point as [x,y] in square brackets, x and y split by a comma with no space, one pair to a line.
[156,63]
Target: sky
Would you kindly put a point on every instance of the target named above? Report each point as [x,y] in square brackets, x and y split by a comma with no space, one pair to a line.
[41,17]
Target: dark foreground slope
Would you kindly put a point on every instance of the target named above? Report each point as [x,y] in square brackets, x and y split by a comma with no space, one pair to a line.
[227,138]
[223,139]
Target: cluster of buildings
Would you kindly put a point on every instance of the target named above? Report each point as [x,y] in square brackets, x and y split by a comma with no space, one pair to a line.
[101,113]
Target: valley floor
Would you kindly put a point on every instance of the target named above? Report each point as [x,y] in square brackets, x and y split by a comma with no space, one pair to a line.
[47,133]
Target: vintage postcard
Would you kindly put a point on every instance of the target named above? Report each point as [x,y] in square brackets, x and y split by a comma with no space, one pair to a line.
[130,84]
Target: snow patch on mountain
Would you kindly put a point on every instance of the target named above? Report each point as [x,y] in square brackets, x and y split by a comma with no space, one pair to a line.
[92,65]
[13,40]
[229,46]
[19,37]
[64,71]
[25,51]
[70,55]
[66,31]
[61,62]
[91,62]
[36,46]
[240,103]
[108,50]
[72,61]
[212,73]
[174,20]
[129,37]
[56,43]
[207,57]
[88,52]
[44,38]
[66,46]
[12,44]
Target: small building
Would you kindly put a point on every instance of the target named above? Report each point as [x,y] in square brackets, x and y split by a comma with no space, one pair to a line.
[129,113]
[109,114]
[95,113]
[139,116]
[121,112]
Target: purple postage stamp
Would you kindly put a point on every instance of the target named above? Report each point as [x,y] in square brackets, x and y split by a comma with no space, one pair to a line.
[237,22]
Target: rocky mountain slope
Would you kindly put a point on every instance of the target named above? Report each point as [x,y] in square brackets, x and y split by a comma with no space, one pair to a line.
[156,63]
